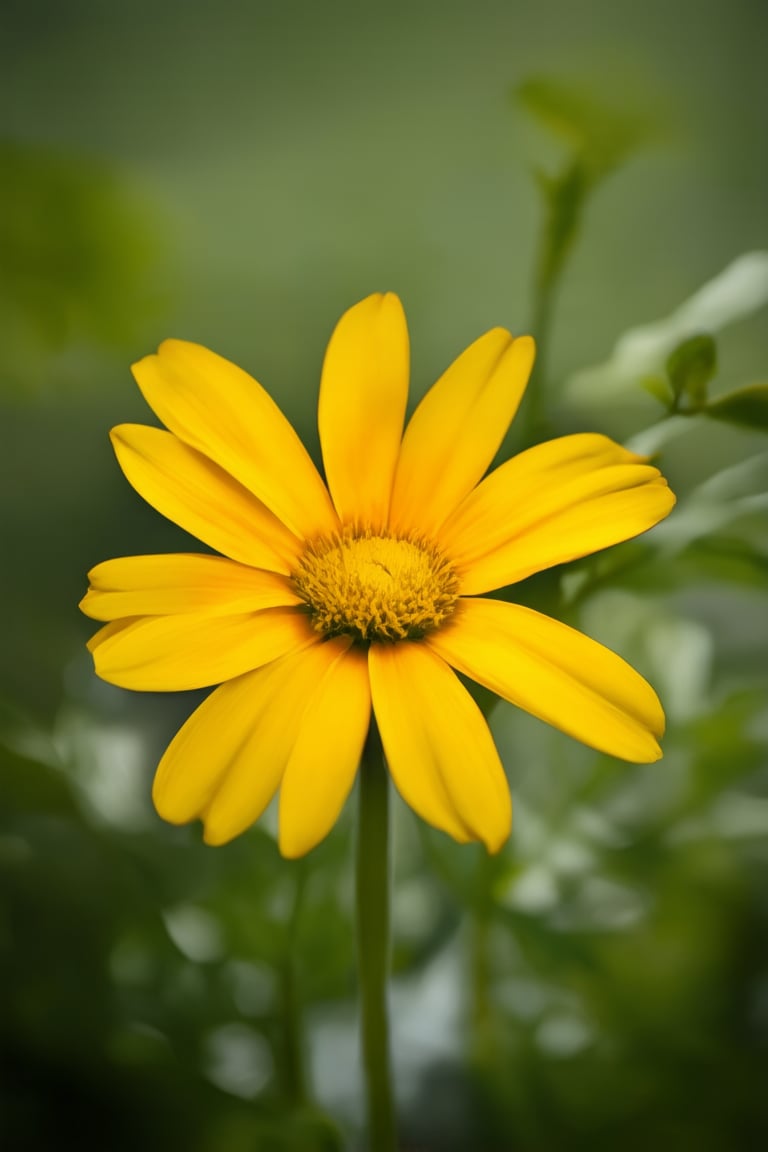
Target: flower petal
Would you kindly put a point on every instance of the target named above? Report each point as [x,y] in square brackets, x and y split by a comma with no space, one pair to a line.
[197,495]
[243,730]
[215,407]
[180,583]
[277,704]
[552,503]
[363,394]
[197,649]
[457,428]
[114,628]
[555,673]
[325,758]
[438,747]
[209,742]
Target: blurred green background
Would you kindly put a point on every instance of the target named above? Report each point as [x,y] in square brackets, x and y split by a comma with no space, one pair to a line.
[238,174]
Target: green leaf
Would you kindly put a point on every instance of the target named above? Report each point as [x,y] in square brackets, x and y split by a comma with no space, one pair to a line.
[29,785]
[599,133]
[737,292]
[690,367]
[716,504]
[660,388]
[79,250]
[746,406]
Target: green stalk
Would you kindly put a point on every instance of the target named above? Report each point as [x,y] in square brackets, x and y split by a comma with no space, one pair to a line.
[564,197]
[373,941]
[294,1070]
[480,969]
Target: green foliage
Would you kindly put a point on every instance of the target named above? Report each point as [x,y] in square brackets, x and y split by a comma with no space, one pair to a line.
[690,367]
[640,355]
[747,407]
[599,139]
[598,984]
[601,134]
[660,388]
[736,494]
[79,253]
[158,947]
[609,929]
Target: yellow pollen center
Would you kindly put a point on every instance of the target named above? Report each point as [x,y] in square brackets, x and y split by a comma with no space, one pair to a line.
[375,587]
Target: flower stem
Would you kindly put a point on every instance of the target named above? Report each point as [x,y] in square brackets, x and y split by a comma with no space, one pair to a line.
[373,944]
[294,1068]
[482,1012]
[564,198]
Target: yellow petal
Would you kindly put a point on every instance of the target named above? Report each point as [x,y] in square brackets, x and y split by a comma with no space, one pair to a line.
[438,746]
[174,653]
[207,744]
[197,495]
[114,628]
[215,407]
[245,727]
[363,393]
[554,673]
[277,706]
[457,428]
[324,761]
[553,503]
[180,583]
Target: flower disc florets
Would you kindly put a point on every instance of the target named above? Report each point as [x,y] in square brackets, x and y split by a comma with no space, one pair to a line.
[375,586]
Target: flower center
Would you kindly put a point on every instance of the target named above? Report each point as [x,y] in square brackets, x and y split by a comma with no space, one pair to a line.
[375,587]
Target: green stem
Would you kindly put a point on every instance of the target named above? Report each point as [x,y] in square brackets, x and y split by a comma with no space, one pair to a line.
[482,1020]
[294,1070]
[373,944]
[564,199]
[544,283]
[482,1012]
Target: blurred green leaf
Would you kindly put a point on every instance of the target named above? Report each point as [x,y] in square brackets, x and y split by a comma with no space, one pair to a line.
[738,291]
[599,138]
[727,752]
[599,132]
[747,406]
[78,251]
[690,367]
[709,559]
[660,388]
[737,491]
[28,785]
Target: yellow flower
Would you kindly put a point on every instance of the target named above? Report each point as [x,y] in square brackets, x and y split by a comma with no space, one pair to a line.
[328,601]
